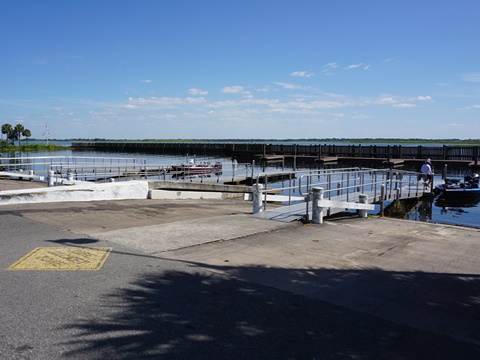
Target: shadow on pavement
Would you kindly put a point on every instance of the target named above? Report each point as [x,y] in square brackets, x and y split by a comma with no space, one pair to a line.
[203,315]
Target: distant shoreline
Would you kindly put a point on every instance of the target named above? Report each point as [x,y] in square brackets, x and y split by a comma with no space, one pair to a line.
[471,142]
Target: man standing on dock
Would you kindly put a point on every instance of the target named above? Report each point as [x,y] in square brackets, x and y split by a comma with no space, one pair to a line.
[427,171]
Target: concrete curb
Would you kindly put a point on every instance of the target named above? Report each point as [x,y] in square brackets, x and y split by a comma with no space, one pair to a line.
[135,189]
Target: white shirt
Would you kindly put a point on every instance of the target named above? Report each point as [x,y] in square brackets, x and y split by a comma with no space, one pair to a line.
[426,169]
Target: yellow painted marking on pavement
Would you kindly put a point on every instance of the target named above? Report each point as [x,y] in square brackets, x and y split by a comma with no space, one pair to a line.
[63,258]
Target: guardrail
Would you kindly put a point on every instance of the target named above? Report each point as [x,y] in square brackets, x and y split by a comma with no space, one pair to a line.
[102,169]
[343,185]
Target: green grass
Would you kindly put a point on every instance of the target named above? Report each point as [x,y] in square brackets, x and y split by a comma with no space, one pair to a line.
[32,147]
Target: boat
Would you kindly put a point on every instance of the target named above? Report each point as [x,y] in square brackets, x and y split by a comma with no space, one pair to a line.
[457,191]
[196,169]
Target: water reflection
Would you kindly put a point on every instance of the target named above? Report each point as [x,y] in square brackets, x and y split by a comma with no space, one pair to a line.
[422,211]
[449,202]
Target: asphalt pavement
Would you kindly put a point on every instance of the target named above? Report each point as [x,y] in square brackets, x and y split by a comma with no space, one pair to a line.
[204,280]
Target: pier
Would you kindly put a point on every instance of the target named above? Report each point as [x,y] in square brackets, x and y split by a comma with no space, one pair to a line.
[310,196]
[307,154]
[342,188]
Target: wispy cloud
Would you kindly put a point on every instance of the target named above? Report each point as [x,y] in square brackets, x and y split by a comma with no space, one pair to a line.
[473,107]
[233,89]
[472,77]
[404,105]
[302,74]
[332,65]
[164,101]
[289,86]
[353,66]
[424,98]
[148,81]
[386,100]
[197,92]
[329,68]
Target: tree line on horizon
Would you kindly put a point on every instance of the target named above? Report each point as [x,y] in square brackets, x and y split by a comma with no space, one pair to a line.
[343,140]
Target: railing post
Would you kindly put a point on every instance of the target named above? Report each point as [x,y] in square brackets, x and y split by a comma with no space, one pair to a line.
[234,166]
[257,198]
[317,212]
[362,199]
[50,178]
[382,200]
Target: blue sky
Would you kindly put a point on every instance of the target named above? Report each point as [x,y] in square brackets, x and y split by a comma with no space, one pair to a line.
[218,69]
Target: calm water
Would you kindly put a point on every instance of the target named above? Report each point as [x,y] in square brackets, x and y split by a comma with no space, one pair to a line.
[423,211]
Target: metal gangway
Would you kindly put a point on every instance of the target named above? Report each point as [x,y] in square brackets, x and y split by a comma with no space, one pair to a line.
[340,189]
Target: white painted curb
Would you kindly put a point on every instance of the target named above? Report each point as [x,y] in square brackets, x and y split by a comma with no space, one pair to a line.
[134,189]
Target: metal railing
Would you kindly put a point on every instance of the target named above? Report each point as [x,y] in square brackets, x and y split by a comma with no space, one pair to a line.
[346,184]
[102,169]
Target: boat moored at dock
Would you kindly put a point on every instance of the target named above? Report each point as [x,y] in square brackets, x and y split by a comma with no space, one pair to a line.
[456,191]
[196,169]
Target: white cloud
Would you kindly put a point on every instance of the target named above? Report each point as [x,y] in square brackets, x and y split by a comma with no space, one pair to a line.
[317,104]
[424,98]
[289,86]
[148,81]
[353,66]
[266,89]
[302,74]
[164,101]
[331,65]
[473,107]
[328,68]
[233,89]
[387,100]
[404,105]
[197,92]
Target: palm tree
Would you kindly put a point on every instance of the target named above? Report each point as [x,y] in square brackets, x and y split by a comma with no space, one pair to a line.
[18,131]
[8,130]
[27,134]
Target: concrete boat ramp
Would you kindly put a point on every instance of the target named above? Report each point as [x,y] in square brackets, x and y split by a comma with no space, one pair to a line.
[204,277]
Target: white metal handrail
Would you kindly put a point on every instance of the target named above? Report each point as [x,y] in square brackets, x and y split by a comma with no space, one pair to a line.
[347,183]
[91,168]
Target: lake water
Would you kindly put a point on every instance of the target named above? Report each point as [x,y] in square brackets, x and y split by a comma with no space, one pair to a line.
[424,211]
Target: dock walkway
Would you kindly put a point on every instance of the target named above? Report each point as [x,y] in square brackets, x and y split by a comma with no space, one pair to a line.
[379,186]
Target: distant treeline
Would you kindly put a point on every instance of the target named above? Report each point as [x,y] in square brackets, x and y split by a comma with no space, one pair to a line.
[4,147]
[313,140]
